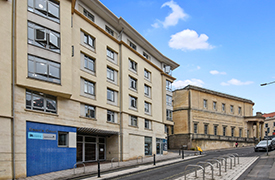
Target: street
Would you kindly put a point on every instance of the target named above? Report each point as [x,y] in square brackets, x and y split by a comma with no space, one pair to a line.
[176,170]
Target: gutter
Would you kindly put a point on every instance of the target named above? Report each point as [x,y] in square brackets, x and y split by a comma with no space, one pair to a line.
[13,81]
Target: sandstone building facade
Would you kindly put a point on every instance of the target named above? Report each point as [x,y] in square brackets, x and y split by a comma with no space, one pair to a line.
[212,120]
[269,123]
[78,85]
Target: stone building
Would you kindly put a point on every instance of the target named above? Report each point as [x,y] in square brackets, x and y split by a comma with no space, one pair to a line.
[78,85]
[269,126]
[212,120]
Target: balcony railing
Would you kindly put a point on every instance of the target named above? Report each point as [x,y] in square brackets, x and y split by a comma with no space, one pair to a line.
[221,138]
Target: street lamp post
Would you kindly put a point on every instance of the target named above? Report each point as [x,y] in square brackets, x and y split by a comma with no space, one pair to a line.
[264,84]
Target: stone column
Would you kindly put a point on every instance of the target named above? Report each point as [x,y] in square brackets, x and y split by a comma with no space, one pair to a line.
[257,130]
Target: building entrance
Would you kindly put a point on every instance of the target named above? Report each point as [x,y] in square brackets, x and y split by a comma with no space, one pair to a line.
[90,148]
[159,146]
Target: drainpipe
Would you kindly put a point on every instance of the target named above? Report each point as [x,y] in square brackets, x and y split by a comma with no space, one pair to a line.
[13,81]
[120,101]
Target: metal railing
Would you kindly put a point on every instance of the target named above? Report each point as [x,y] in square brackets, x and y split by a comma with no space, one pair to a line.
[224,138]
[79,163]
[197,166]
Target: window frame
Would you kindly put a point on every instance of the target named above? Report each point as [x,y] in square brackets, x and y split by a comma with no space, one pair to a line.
[132,45]
[133,83]
[147,75]
[66,141]
[147,90]
[87,60]
[92,110]
[88,84]
[149,123]
[168,85]
[195,128]
[89,40]
[133,102]
[214,105]
[205,103]
[147,107]
[133,121]
[169,100]
[109,30]
[206,129]
[111,116]
[88,15]
[169,114]
[110,74]
[224,130]
[232,109]
[110,95]
[133,65]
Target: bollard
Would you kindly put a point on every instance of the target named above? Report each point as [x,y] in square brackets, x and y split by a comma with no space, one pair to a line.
[182,154]
[200,152]
[179,152]
[98,170]
[154,159]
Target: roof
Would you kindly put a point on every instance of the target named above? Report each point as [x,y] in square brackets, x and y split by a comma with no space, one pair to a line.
[191,87]
[269,114]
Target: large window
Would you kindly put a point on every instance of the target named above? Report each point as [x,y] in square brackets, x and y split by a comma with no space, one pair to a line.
[148,146]
[169,114]
[89,111]
[147,90]
[195,128]
[147,124]
[133,83]
[110,95]
[89,15]
[43,69]
[133,120]
[63,139]
[205,103]
[43,37]
[109,30]
[224,130]
[215,130]
[147,107]
[133,102]
[133,65]
[40,101]
[168,85]
[132,45]
[89,87]
[89,63]
[89,40]
[45,8]
[168,100]
[147,75]
[111,116]
[205,128]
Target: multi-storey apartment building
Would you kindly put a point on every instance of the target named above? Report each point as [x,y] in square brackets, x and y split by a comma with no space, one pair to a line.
[212,120]
[78,85]
[269,126]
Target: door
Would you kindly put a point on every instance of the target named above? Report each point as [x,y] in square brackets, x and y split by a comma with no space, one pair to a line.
[158,148]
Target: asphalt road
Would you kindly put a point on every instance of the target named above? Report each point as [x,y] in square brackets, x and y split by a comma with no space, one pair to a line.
[176,170]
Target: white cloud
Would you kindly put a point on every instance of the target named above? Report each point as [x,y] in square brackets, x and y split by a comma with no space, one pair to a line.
[215,72]
[181,84]
[189,40]
[173,18]
[236,82]
[198,67]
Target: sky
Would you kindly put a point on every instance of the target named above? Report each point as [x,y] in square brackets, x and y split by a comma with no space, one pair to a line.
[222,45]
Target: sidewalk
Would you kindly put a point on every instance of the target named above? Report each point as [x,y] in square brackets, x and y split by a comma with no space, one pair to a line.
[115,167]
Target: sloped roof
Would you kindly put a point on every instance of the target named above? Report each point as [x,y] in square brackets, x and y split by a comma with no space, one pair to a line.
[269,114]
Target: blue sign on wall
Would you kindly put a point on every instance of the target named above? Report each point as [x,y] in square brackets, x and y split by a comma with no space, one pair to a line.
[43,153]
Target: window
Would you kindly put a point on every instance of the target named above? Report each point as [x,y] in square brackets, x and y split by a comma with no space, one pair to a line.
[273,123]
[111,116]
[132,45]
[110,95]
[232,131]
[148,146]
[133,65]
[168,100]
[147,107]
[89,87]
[240,132]
[63,139]
[268,130]
[89,111]
[195,128]
[133,120]
[240,111]
[133,83]
[89,63]
[205,128]
[205,103]
[109,30]
[172,129]
[145,55]
[169,114]
[147,75]
[133,102]
[45,8]
[266,125]
[166,129]
[147,124]
[43,37]
[147,90]
[214,105]
[224,131]
[168,85]
[231,108]
[223,107]
[43,69]
[89,40]
[215,130]
[88,15]
[110,74]
[110,53]
[40,101]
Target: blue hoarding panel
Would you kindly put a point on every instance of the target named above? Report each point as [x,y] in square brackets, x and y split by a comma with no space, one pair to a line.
[43,153]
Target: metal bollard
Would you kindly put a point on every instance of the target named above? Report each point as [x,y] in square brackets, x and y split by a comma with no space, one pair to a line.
[98,169]
[182,154]
[154,159]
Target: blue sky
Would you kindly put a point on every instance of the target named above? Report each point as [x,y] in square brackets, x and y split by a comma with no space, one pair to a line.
[222,45]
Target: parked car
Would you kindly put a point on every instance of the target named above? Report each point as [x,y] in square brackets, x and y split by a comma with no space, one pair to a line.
[261,146]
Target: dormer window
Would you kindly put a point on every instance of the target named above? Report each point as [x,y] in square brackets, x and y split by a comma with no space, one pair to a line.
[109,30]
[145,55]
[132,45]
[89,15]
